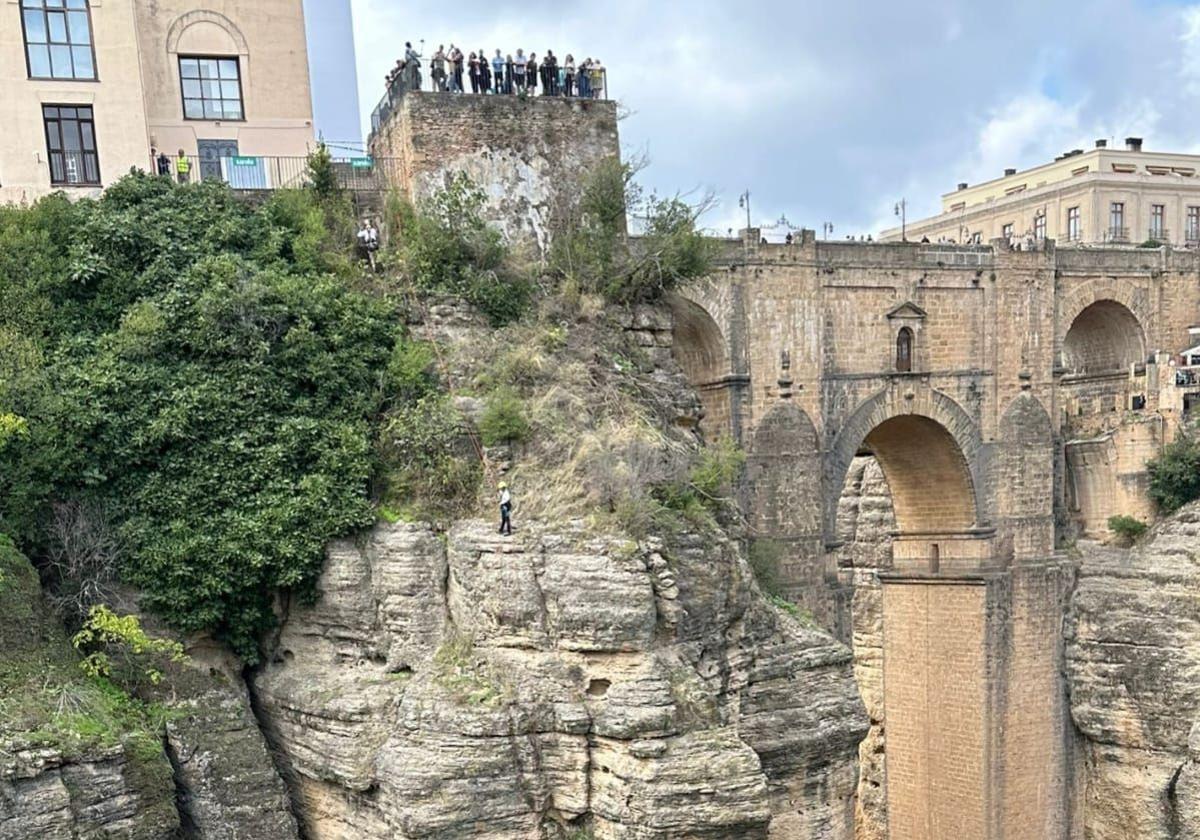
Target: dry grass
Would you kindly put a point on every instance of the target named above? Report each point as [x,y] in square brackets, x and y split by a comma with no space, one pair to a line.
[603,431]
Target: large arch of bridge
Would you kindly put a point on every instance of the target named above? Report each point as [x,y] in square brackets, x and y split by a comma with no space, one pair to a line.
[929,451]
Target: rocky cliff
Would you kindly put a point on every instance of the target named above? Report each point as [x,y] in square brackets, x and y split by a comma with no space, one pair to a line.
[557,683]
[71,764]
[1133,669]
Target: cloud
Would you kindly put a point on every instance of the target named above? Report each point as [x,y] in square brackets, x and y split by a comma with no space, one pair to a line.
[834,111]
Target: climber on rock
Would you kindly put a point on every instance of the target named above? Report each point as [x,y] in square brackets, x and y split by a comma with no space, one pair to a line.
[505,510]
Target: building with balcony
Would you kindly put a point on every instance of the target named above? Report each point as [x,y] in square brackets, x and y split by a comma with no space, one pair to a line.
[89,87]
[1103,195]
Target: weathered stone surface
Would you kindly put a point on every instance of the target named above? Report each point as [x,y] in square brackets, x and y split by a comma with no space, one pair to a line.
[228,786]
[1133,666]
[558,679]
[45,796]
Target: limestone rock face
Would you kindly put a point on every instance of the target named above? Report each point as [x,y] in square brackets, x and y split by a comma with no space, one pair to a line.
[1133,668]
[46,796]
[227,784]
[532,686]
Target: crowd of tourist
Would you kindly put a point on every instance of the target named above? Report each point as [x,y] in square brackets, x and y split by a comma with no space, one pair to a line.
[507,74]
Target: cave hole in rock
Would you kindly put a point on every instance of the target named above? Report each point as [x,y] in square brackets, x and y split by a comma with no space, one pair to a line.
[598,687]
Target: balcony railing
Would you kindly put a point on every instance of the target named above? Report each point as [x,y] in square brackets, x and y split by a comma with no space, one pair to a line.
[1159,234]
[257,172]
[1116,234]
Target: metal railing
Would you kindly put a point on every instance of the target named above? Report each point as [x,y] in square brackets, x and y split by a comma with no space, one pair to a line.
[260,172]
[1160,234]
[594,87]
[1117,234]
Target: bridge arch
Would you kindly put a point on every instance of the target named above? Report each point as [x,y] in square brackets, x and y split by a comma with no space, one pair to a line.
[1108,310]
[1105,337]
[929,450]
[702,352]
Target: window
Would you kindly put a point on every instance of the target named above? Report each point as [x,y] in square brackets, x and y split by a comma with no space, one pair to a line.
[1157,221]
[58,39]
[1193,224]
[212,88]
[1007,231]
[1039,226]
[71,144]
[904,348]
[1073,232]
[1116,220]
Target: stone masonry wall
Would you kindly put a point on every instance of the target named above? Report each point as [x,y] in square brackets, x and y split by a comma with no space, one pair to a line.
[528,154]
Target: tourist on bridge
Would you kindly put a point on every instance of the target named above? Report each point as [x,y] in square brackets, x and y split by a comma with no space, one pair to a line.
[509,77]
[519,69]
[550,74]
[531,74]
[412,67]
[569,75]
[485,74]
[437,69]
[473,72]
[456,65]
[498,73]
[584,78]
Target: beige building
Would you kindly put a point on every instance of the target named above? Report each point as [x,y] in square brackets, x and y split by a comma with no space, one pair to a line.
[1104,195]
[88,87]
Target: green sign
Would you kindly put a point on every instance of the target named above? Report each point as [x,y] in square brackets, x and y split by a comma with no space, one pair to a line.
[245,161]
[361,163]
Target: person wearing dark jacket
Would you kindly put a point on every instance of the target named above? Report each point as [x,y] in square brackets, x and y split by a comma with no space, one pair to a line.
[485,74]
[473,71]
[531,74]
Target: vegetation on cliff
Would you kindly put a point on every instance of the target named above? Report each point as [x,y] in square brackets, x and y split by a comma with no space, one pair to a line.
[217,390]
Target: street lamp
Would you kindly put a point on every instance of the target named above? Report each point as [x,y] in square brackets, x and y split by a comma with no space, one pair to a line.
[902,212]
[827,229]
[744,201]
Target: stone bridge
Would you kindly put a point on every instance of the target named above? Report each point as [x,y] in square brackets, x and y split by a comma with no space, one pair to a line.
[1011,400]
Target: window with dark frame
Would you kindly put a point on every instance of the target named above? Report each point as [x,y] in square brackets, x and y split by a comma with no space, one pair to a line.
[904,349]
[1193,224]
[1157,220]
[1039,227]
[71,145]
[1073,232]
[1116,219]
[1007,231]
[211,87]
[58,39]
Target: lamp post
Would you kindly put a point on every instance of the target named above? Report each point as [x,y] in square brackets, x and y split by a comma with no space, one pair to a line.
[902,212]
[744,201]
[827,229]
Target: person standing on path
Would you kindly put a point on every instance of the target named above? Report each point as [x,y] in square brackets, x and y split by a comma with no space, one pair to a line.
[505,510]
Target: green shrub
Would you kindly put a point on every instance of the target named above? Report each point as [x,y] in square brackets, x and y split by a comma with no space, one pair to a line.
[503,419]
[115,643]
[430,466]
[1175,474]
[322,178]
[1127,527]
[446,247]
[595,252]
[717,468]
[192,367]
[411,375]
[765,556]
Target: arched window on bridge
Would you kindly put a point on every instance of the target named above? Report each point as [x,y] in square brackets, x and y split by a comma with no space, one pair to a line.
[904,350]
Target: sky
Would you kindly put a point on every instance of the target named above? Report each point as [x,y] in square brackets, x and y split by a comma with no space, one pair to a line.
[834,111]
[336,113]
